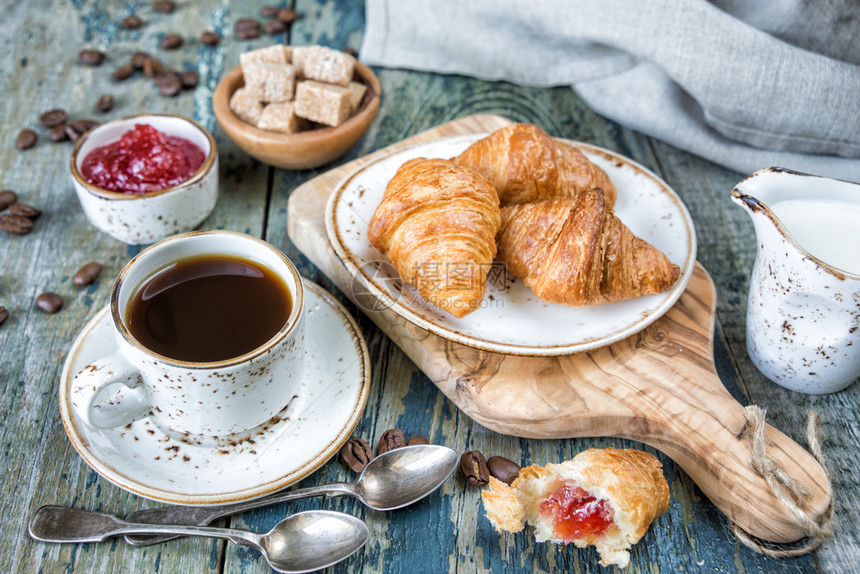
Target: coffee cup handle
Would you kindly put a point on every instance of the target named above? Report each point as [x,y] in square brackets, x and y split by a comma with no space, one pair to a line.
[90,399]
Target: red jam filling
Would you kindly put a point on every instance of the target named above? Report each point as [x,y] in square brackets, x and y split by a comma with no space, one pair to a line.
[576,514]
[143,159]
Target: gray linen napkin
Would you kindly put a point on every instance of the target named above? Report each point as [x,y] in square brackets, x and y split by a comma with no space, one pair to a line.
[744,83]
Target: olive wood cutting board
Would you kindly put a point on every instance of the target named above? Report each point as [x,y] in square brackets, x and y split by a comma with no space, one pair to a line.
[659,386]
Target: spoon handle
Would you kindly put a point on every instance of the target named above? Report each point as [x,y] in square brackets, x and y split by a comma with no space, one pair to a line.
[204,515]
[64,524]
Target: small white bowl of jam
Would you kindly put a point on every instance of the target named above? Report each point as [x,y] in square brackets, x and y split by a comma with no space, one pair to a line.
[143,178]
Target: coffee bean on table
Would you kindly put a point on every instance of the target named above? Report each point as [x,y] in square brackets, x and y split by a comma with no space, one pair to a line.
[77,128]
[54,118]
[152,67]
[58,134]
[105,104]
[474,468]
[170,42]
[210,38]
[503,469]
[356,453]
[286,15]
[138,59]
[390,439]
[164,6]
[4,314]
[15,224]
[88,273]
[273,27]
[268,11]
[7,198]
[91,57]
[247,29]
[26,139]
[24,210]
[169,85]
[50,303]
[417,439]
[190,80]
[123,72]
[132,23]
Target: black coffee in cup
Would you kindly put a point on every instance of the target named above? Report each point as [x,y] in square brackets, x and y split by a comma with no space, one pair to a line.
[208,308]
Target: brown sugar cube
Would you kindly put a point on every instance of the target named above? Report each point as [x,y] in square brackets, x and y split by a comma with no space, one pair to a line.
[356,92]
[270,82]
[280,118]
[326,65]
[245,104]
[298,58]
[277,54]
[323,103]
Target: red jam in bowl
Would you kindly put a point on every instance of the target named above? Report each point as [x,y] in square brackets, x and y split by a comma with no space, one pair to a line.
[142,160]
[576,513]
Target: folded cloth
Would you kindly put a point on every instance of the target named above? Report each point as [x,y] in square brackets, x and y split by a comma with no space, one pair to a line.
[739,83]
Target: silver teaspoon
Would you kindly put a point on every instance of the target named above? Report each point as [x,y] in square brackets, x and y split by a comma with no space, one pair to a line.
[303,542]
[392,480]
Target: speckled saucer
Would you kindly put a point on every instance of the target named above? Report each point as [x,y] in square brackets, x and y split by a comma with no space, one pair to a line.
[150,461]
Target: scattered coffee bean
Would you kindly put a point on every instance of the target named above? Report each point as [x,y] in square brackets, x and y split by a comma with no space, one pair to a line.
[50,303]
[91,57]
[356,453]
[170,42]
[4,314]
[138,59]
[54,118]
[58,134]
[273,27]
[132,23]
[474,468]
[268,11]
[190,80]
[351,51]
[169,85]
[152,67]
[390,439]
[105,104]
[7,198]
[15,224]
[210,38]
[123,72]
[286,15]
[164,6]
[503,469]
[417,439]
[247,29]
[88,273]
[24,210]
[26,139]
[77,128]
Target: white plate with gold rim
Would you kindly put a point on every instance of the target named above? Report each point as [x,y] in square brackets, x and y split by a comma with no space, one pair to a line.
[147,460]
[511,319]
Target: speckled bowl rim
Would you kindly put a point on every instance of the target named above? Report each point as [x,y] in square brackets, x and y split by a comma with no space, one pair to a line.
[283,332]
[201,172]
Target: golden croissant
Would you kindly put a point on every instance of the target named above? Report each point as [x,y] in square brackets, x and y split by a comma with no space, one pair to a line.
[577,252]
[525,164]
[437,223]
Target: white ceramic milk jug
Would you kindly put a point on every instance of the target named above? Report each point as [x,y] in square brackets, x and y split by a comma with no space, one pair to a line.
[803,313]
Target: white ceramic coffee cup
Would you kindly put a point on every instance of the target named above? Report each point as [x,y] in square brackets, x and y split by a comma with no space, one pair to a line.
[206,399]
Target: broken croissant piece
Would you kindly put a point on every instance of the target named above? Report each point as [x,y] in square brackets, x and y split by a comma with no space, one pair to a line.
[526,164]
[602,497]
[577,252]
[437,223]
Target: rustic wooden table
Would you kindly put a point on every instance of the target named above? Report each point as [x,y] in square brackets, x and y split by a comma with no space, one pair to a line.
[446,532]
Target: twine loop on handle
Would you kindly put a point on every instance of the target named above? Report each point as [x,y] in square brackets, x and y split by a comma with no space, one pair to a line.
[792,493]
